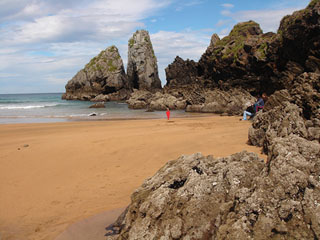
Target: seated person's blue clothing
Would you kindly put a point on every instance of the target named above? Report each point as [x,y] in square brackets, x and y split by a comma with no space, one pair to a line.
[256,106]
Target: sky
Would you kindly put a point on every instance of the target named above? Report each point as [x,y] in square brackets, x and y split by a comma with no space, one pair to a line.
[44,43]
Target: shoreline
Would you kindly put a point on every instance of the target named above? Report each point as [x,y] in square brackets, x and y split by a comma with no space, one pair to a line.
[55,174]
[54,119]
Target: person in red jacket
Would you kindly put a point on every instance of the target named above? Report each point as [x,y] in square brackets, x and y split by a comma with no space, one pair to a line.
[168,113]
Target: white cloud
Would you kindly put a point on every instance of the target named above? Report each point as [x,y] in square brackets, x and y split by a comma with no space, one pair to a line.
[224,22]
[95,21]
[269,20]
[185,4]
[227,5]
[47,42]
[226,13]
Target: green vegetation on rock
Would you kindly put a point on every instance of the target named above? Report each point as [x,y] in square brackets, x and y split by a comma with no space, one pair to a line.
[262,50]
[111,67]
[236,39]
[112,48]
[131,42]
[313,3]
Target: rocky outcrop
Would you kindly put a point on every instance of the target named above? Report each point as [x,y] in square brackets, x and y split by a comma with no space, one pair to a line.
[254,61]
[181,72]
[199,100]
[142,69]
[295,110]
[237,60]
[104,74]
[231,102]
[155,101]
[236,197]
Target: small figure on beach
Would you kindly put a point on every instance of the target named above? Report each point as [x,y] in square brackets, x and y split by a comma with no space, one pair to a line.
[168,113]
[253,109]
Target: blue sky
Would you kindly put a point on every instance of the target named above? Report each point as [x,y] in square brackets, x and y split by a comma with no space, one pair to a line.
[44,43]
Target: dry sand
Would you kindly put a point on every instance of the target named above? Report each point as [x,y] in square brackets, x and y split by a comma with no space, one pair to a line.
[54,174]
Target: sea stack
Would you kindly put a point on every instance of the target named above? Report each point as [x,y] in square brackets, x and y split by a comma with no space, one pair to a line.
[142,69]
[103,75]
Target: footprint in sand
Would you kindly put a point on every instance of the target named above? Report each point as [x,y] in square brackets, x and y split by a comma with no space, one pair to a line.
[55,202]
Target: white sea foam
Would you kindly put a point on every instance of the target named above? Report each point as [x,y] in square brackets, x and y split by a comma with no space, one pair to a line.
[15,107]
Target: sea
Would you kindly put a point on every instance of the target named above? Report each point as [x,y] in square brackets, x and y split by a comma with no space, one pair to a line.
[49,107]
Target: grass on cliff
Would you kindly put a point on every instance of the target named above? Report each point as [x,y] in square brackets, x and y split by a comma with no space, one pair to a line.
[131,42]
[111,67]
[262,50]
[313,3]
[238,37]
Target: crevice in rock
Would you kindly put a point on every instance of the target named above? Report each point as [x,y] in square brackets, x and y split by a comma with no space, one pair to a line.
[288,218]
[275,231]
[198,170]
[177,184]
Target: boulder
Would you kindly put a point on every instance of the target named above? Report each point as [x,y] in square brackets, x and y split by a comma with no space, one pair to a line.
[100,98]
[232,102]
[155,101]
[278,122]
[98,105]
[139,99]
[104,74]
[142,68]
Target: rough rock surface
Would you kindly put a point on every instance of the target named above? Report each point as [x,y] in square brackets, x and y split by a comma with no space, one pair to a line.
[294,110]
[98,105]
[181,72]
[104,74]
[232,102]
[155,101]
[236,197]
[193,100]
[142,69]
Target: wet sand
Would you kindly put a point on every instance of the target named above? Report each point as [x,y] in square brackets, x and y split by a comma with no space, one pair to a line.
[55,174]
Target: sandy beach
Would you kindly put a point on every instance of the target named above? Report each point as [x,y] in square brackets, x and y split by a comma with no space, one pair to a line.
[55,174]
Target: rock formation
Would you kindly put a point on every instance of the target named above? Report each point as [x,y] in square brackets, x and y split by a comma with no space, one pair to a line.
[195,99]
[236,197]
[142,69]
[254,61]
[295,110]
[240,196]
[155,101]
[104,74]
[181,72]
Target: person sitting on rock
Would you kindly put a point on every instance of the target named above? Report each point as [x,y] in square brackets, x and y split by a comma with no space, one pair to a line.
[253,109]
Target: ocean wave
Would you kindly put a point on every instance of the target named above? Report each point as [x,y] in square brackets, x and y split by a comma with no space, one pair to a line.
[15,107]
